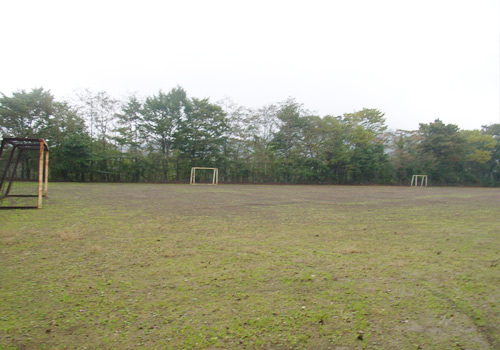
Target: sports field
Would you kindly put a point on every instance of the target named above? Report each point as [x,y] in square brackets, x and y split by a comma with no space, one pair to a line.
[137,266]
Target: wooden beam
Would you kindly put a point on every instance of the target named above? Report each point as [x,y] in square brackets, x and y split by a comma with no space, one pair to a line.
[40,176]
[46,173]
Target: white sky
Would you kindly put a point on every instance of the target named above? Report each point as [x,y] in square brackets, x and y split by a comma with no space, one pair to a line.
[413,60]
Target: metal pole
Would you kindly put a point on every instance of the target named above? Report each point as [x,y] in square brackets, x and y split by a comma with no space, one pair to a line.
[7,164]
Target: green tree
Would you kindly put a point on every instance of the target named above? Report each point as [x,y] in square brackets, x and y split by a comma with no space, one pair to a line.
[129,122]
[26,114]
[130,138]
[202,134]
[478,150]
[405,155]
[70,161]
[70,144]
[493,168]
[98,110]
[262,125]
[37,114]
[368,162]
[335,145]
[287,140]
[441,152]
[162,118]
[237,147]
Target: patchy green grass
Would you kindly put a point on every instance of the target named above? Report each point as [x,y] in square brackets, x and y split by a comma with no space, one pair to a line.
[135,266]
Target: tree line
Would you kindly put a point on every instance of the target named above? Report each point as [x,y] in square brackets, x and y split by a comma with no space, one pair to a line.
[159,138]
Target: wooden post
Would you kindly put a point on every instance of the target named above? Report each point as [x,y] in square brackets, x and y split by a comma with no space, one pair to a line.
[40,176]
[46,174]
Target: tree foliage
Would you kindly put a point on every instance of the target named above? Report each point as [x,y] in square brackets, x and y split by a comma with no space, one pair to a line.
[159,138]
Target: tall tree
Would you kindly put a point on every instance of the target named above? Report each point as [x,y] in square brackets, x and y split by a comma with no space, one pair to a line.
[368,161]
[335,147]
[98,109]
[442,152]
[264,126]
[162,118]
[130,137]
[405,154]
[478,151]
[26,114]
[203,133]
[129,121]
[493,174]
[287,140]
[237,147]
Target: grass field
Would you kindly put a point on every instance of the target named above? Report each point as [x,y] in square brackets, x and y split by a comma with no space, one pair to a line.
[136,266]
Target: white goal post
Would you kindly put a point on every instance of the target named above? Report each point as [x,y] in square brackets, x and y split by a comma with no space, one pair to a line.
[416,178]
[215,176]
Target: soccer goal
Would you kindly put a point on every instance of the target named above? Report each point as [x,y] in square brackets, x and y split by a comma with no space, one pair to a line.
[24,171]
[208,176]
[415,180]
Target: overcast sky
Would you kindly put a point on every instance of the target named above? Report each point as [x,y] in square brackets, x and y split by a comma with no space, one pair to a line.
[413,60]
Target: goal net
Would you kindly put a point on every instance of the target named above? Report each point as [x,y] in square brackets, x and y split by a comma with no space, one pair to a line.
[207,176]
[23,172]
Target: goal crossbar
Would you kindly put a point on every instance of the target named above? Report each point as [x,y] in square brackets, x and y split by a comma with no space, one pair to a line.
[215,176]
